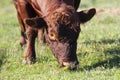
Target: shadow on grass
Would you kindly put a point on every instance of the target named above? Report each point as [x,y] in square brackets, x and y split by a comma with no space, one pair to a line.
[103,41]
[115,51]
[109,63]
[2,57]
[42,59]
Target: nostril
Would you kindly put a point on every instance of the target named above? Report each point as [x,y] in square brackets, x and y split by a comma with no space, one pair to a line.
[76,63]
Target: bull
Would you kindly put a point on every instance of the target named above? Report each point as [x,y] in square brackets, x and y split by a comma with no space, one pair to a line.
[56,22]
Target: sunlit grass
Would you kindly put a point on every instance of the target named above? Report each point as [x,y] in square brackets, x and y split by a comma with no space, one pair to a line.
[98,48]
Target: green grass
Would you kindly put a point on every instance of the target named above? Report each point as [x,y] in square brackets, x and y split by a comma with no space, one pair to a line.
[98,48]
[100,3]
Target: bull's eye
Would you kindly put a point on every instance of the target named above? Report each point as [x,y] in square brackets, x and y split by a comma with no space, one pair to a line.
[52,36]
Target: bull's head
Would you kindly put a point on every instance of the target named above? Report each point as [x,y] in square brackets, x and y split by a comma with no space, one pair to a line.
[62,31]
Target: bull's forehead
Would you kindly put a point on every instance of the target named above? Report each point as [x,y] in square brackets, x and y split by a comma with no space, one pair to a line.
[60,18]
[63,22]
[61,12]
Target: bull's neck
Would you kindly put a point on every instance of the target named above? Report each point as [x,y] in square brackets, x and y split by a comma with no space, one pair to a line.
[50,9]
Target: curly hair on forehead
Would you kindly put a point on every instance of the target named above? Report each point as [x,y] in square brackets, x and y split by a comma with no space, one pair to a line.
[62,15]
[61,18]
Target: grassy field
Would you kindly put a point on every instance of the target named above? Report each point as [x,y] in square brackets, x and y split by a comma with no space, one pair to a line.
[98,47]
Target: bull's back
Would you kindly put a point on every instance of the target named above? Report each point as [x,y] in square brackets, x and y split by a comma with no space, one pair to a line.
[42,7]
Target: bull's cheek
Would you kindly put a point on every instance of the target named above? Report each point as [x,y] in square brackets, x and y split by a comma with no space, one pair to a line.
[56,53]
[53,48]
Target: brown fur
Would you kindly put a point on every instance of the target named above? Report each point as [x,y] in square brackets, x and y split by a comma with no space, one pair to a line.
[59,19]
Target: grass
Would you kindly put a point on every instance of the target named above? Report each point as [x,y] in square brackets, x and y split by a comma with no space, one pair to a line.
[98,48]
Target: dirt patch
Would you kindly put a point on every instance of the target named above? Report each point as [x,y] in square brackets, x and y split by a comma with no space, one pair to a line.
[109,11]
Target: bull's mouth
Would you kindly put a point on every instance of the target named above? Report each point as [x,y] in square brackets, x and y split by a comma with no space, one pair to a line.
[70,65]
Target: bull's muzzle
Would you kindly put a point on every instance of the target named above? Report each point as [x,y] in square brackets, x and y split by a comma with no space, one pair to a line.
[71,65]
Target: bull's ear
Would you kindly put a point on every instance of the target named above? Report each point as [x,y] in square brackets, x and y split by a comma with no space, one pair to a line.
[36,22]
[86,15]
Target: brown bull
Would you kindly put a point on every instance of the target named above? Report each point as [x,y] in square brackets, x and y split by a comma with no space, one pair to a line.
[55,21]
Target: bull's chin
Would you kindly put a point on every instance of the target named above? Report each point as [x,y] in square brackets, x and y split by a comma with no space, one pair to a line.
[70,65]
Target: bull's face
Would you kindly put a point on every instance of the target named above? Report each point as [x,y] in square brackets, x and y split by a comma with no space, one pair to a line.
[63,42]
[62,32]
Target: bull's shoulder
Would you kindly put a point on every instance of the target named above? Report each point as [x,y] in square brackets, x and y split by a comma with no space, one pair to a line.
[35,5]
